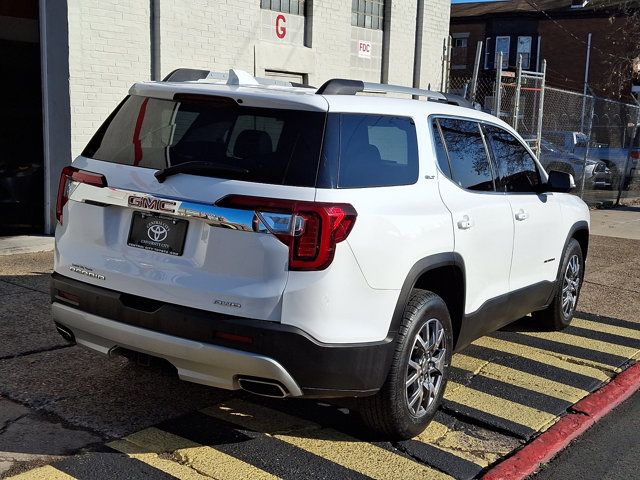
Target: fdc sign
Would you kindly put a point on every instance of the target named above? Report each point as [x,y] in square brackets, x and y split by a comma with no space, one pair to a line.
[364,49]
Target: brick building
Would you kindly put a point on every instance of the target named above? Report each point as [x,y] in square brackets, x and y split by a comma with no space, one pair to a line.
[70,62]
[555,30]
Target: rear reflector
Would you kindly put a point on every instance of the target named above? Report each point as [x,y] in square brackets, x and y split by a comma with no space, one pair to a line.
[311,230]
[234,338]
[68,297]
[72,174]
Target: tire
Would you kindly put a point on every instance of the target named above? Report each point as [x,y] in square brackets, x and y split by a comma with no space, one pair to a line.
[558,315]
[388,412]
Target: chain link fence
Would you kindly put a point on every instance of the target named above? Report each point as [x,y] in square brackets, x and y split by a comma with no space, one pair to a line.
[595,139]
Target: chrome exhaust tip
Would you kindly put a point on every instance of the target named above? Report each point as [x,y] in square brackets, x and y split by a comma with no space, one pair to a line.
[65,333]
[263,387]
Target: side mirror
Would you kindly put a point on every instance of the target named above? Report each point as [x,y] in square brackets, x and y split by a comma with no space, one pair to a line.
[560,182]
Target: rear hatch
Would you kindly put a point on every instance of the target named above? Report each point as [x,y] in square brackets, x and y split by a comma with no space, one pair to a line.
[172,237]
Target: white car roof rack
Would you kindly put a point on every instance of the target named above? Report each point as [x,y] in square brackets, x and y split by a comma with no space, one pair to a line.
[232,77]
[341,86]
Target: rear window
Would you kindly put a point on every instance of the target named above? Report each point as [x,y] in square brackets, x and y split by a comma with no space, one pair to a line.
[275,146]
[365,150]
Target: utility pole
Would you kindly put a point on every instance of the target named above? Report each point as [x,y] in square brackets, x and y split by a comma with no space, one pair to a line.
[586,81]
[476,68]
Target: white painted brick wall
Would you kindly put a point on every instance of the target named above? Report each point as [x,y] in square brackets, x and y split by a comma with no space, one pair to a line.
[436,29]
[109,47]
[108,51]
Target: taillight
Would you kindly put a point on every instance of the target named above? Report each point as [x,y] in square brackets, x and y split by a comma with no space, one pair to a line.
[635,154]
[311,230]
[72,174]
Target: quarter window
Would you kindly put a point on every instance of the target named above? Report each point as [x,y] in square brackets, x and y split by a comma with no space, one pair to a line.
[517,170]
[361,150]
[470,166]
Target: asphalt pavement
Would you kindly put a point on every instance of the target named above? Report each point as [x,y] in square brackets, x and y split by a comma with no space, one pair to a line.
[66,412]
[609,450]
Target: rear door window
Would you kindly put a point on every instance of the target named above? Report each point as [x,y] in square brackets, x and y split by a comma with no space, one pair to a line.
[276,146]
[470,164]
[517,170]
[365,150]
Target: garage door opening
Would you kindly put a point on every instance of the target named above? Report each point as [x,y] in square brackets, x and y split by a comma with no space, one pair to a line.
[21,146]
[299,78]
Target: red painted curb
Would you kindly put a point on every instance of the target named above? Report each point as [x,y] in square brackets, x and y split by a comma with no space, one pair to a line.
[549,443]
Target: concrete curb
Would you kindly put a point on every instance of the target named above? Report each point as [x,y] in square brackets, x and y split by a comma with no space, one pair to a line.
[584,414]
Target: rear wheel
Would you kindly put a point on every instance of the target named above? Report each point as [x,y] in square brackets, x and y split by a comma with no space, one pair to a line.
[414,387]
[558,315]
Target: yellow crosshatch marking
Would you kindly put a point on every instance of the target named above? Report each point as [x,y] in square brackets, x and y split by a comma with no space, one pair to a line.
[330,444]
[153,460]
[518,378]
[606,328]
[566,362]
[588,343]
[43,473]
[499,407]
[201,458]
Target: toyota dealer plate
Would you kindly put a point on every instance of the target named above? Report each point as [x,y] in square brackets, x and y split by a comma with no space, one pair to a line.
[158,233]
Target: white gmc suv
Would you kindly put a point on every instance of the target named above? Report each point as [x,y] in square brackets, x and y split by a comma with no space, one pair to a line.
[293,242]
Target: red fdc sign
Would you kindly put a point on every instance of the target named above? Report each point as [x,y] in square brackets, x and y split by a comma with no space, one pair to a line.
[364,49]
[281,28]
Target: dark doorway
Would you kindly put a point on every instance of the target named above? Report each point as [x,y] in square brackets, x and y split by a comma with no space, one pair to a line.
[21,146]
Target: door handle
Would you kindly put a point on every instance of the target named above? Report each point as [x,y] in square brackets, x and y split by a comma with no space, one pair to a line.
[465,223]
[522,215]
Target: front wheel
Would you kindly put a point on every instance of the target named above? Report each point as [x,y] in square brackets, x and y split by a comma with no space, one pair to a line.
[414,387]
[557,316]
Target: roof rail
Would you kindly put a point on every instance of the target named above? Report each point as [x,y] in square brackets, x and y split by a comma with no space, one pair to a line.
[231,77]
[341,86]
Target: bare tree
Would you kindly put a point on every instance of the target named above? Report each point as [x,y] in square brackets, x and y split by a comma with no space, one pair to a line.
[624,17]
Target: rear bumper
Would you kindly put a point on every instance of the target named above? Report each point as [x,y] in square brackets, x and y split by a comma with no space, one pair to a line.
[216,349]
[196,362]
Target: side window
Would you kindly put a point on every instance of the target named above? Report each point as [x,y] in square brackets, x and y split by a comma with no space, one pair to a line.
[470,167]
[517,170]
[441,152]
[375,151]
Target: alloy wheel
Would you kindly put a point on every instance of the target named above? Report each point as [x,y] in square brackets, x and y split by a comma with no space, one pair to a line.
[425,368]
[571,286]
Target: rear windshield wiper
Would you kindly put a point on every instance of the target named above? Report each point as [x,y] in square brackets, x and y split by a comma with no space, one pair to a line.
[198,168]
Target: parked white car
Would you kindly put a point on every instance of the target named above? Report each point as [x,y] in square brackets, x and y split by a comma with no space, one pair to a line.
[293,242]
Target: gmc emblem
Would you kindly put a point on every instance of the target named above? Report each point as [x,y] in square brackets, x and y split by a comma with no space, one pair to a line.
[150,203]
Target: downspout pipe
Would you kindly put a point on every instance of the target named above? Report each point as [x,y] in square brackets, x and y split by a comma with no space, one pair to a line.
[154,33]
[417,59]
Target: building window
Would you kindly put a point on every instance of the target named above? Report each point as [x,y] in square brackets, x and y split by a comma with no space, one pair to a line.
[459,50]
[367,13]
[502,45]
[487,53]
[295,7]
[524,49]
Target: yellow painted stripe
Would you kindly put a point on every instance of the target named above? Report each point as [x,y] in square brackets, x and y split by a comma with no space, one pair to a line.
[588,343]
[43,473]
[518,378]
[606,328]
[203,459]
[498,407]
[566,362]
[152,459]
[327,443]
[459,444]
